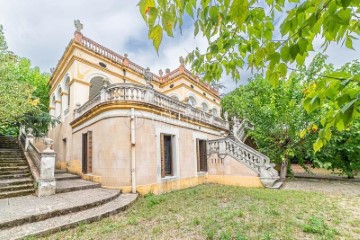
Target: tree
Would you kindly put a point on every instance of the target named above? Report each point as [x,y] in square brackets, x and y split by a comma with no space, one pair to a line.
[246,34]
[23,93]
[342,152]
[277,116]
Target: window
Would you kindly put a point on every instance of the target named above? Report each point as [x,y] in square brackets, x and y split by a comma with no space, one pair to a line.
[167,166]
[204,107]
[192,101]
[201,154]
[214,112]
[96,85]
[174,97]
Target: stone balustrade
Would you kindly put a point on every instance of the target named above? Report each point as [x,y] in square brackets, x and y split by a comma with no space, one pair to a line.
[140,93]
[95,47]
[42,164]
[240,151]
[246,155]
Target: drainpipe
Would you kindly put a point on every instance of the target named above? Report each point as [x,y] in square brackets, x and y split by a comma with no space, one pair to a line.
[133,156]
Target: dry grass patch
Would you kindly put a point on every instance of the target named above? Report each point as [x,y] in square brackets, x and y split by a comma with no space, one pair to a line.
[224,212]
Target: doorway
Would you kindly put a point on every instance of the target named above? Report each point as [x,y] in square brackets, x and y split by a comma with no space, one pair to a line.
[201,155]
[87,152]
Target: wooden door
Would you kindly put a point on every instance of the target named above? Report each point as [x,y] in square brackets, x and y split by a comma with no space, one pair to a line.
[201,152]
[166,155]
[87,152]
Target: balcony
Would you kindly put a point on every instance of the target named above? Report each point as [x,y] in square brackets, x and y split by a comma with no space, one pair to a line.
[127,92]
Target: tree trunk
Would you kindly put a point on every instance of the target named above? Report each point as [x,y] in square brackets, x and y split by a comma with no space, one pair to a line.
[284,166]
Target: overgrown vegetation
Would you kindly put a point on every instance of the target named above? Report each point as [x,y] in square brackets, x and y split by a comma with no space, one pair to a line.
[224,212]
[285,131]
[270,36]
[23,93]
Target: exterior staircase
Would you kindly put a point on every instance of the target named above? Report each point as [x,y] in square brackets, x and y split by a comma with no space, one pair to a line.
[15,175]
[248,156]
[76,202]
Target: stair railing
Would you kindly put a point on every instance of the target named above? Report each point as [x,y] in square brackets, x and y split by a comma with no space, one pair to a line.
[245,154]
[42,163]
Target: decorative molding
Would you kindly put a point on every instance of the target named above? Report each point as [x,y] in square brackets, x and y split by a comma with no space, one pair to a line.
[76,80]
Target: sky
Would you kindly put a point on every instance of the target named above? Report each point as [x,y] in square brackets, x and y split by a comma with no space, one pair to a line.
[41,29]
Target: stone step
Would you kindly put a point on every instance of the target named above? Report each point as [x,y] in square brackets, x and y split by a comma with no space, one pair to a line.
[75,185]
[10,153]
[60,171]
[17,171]
[12,164]
[19,155]
[65,176]
[13,168]
[13,176]
[17,193]
[12,159]
[16,181]
[16,187]
[56,205]
[71,220]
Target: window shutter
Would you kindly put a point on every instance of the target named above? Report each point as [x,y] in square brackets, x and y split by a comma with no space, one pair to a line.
[162,155]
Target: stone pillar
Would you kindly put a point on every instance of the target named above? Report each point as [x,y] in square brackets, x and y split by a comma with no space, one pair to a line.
[149,95]
[76,111]
[46,184]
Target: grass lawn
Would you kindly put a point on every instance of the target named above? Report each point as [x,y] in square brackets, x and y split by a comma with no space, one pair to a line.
[225,212]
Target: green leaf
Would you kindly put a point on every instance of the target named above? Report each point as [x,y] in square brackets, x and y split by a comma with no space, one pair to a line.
[153,13]
[327,134]
[340,126]
[318,145]
[239,11]
[345,3]
[156,34]
[144,6]
[282,68]
[303,42]
[285,53]
[294,50]
[348,43]
[348,105]
[196,30]
[214,13]
[303,133]
[168,23]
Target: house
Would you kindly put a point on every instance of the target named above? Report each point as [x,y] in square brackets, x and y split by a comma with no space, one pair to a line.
[128,128]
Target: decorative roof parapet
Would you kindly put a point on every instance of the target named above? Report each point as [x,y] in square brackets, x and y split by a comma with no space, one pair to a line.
[93,46]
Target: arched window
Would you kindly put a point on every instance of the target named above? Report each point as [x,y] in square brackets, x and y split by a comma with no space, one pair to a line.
[204,107]
[175,97]
[95,87]
[214,112]
[192,101]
